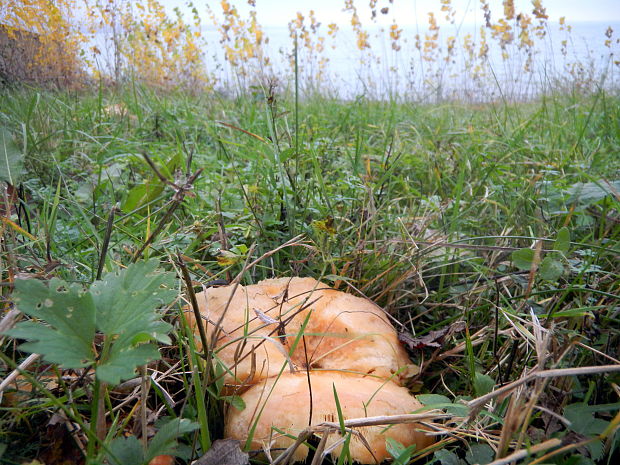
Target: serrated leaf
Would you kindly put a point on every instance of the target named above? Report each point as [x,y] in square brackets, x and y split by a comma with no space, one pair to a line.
[11,158]
[123,306]
[70,313]
[523,258]
[483,384]
[562,241]
[551,269]
[55,346]
[156,331]
[479,454]
[165,441]
[127,300]
[123,451]
[122,362]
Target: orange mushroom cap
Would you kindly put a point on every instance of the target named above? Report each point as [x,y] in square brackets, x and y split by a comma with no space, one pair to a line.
[263,321]
[283,404]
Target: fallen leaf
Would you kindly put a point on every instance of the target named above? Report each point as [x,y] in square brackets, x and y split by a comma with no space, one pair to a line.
[264,318]
[224,452]
[432,339]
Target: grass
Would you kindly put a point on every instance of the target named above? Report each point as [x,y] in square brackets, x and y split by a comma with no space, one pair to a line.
[418,207]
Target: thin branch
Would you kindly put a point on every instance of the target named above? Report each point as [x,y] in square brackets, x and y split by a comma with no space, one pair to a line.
[521,454]
[106,241]
[554,373]
[192,299]
[177,199]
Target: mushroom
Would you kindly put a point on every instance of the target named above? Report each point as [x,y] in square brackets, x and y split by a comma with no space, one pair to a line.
[283,404]
[248,346]
[329,340]
[348,332]
[263,321]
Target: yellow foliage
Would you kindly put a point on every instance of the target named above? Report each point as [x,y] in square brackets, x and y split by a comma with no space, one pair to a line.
[145,41]
[49,39]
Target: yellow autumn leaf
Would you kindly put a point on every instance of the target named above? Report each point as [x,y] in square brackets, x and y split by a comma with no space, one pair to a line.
[227,258]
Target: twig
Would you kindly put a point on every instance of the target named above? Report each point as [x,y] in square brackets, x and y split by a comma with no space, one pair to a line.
[177,199]
[144,391]
[106,241]
[520,454]
[480,401]
[15,373]
[192,299]
[289,243]
[235,283]
[318,453]
[159,174]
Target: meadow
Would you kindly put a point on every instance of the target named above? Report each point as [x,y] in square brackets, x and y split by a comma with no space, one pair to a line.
[489,232]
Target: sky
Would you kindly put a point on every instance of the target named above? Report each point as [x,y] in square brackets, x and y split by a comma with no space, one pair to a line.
[273,13]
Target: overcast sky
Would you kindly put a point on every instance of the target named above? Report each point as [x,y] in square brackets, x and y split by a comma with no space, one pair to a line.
[280,12]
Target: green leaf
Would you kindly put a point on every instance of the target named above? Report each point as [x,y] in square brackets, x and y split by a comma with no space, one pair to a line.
[123,361]
[591,192]
[165,441]
[70,316]
[400,453]
[483,384]
[141,195]
[596,449]
[562,241]
[459,410]
[431,399]
[123,451]
[394,447]
[127,300]
[235,401]
[577,460]
[152,188]
[446,457]
[11,158]
[123,306]
[479,454]
[582,417]
[523,258]
[127,303]
[442,402]
[551,269]
[615,442]
[339,410]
